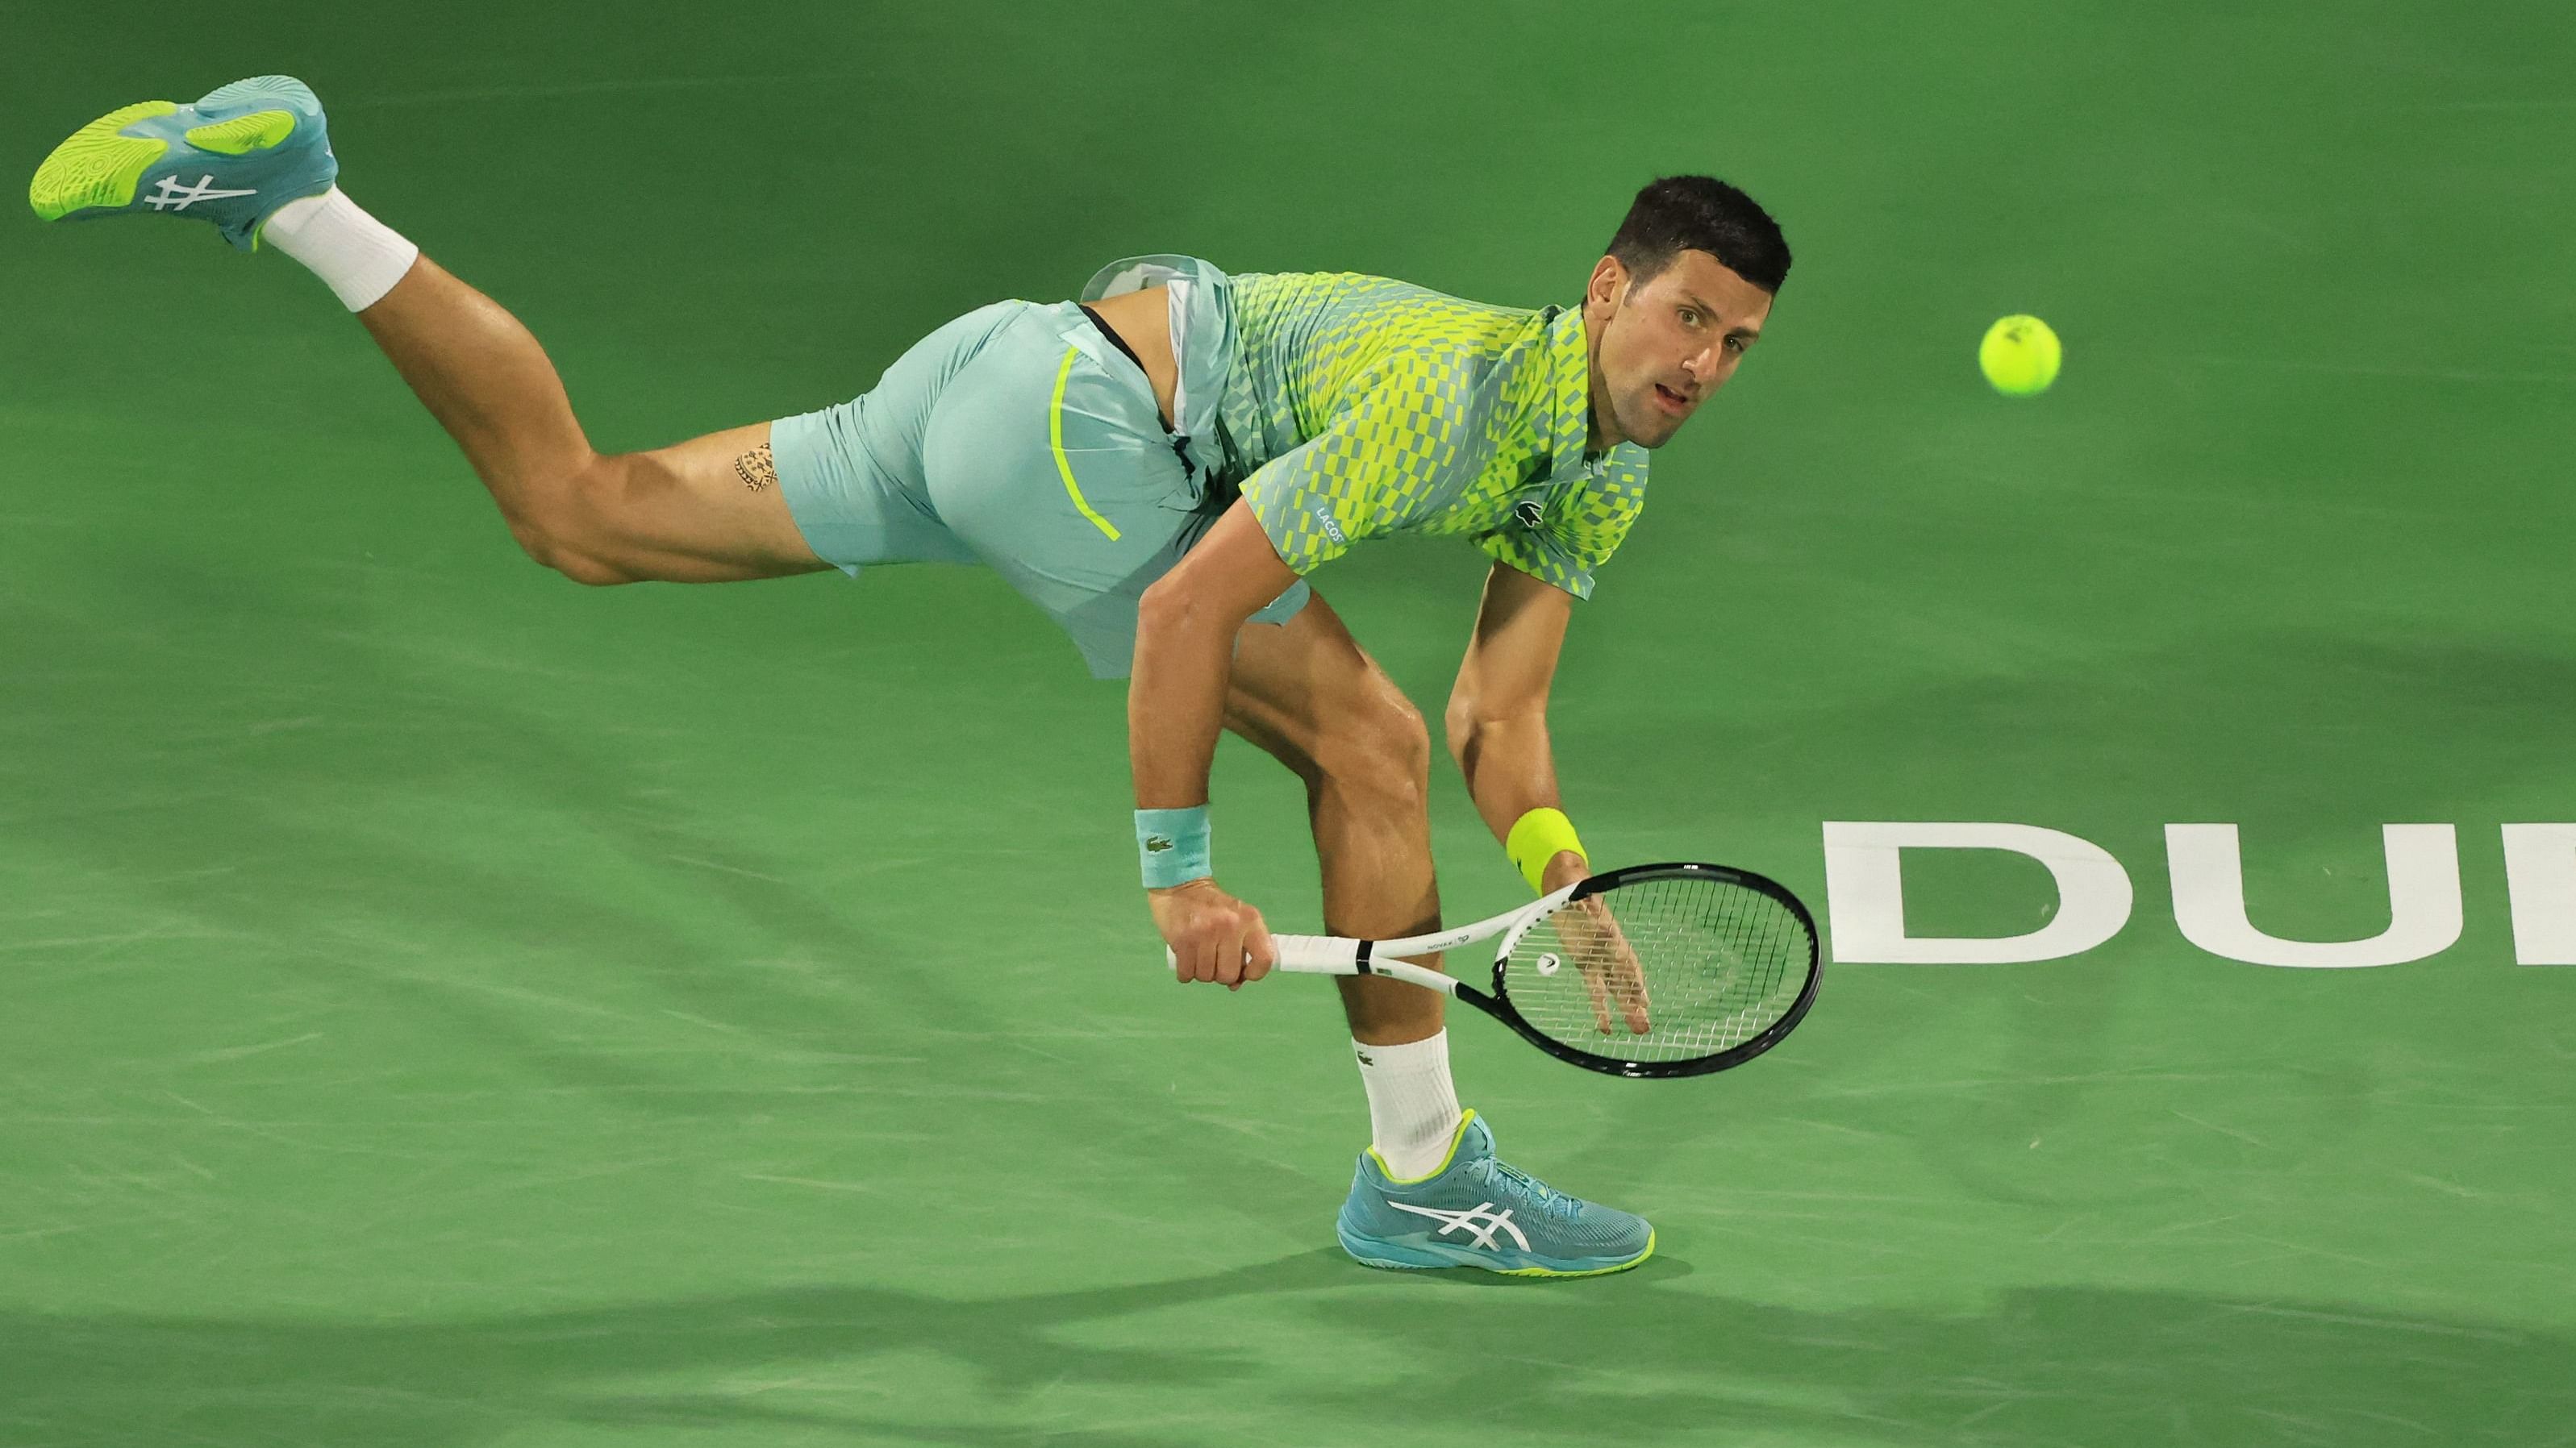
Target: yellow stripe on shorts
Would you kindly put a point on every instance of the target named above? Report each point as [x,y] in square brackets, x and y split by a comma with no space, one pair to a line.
[1055,439]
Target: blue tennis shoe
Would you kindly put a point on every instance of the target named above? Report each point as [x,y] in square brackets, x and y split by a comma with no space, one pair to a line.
[231,158]
[1476,1212]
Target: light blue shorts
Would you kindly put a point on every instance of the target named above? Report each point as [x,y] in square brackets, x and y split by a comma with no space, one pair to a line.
[1020,438]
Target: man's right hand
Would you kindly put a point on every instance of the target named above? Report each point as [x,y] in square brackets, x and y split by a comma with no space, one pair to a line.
[1213,935]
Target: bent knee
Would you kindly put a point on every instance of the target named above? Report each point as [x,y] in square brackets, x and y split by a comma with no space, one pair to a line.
[1380,749]
[568,555]
[567,525]
[592,572]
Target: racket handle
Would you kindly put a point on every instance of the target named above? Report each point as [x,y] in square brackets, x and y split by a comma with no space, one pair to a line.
[1305,955]
[1317,954]
[1331,955]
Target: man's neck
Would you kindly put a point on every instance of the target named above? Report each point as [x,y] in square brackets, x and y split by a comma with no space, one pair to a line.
[1600,432]
[1600,429]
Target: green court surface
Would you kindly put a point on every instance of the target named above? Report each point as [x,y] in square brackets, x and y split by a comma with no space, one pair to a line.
[447,1006]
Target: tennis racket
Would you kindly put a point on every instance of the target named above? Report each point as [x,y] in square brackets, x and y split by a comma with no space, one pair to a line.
[1650,971]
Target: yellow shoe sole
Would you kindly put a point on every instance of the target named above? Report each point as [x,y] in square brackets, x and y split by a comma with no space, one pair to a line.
[1592,1272]
[98,167]
[244,134]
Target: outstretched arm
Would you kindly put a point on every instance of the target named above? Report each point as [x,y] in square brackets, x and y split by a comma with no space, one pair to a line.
[1497,717]
[1185,630]
[1497,724]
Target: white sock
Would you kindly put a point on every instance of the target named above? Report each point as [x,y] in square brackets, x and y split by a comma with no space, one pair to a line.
[1413,1107]
[357,256]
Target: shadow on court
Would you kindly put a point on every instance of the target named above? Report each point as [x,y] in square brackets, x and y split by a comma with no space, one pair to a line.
[1553,1362]
[347,809]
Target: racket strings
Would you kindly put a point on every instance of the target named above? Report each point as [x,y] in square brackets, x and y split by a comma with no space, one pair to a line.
[1701,965]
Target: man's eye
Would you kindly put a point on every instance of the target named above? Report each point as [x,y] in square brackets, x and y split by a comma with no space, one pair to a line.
[1689,317]
[1735,344]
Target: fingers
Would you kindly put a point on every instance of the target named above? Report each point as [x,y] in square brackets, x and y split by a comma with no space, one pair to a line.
[1589,930]
[1260,954]
[1619,981]
[1247,954]
[1612,973]
[1627,980]
[1220,940]
[1229,969]
[1632,993]
[1202,950]
[1596,980]
[1193,961]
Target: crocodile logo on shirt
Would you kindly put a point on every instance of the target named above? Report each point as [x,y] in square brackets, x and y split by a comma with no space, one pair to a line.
[1528,511]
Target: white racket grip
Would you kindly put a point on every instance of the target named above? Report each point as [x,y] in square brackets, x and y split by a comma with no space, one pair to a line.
[1317,954]
[1305,954]
[1325,955]
[1329,955]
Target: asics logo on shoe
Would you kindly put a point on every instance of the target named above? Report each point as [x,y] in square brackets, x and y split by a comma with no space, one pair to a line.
[170,194]
[1479,1222]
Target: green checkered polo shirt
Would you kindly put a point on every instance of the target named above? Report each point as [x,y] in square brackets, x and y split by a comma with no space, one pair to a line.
[1367,406]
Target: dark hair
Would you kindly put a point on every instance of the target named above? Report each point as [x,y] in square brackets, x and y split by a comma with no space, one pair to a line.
[1701,213]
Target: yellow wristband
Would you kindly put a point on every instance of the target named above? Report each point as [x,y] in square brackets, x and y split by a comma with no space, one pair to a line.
[1538,837]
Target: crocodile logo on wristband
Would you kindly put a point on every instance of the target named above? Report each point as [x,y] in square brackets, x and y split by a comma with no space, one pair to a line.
[1172,846]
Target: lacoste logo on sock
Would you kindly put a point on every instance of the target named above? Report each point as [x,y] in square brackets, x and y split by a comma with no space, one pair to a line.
[1479,1222]
[170,194]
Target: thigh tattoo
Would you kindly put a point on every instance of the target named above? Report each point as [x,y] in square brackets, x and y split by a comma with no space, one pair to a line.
[757,468]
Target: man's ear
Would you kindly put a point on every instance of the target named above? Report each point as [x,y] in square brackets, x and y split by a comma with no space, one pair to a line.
[1609,280]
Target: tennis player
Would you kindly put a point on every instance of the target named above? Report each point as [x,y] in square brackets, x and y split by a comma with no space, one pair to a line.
[1158,467]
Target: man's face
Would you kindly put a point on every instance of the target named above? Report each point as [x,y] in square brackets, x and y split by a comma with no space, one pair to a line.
[1661,346]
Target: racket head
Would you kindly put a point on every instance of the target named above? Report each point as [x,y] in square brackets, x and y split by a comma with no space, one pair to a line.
[1728,959]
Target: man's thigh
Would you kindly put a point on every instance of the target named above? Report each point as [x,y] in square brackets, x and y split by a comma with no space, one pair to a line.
[840,487]
[708,510]
[1306,692]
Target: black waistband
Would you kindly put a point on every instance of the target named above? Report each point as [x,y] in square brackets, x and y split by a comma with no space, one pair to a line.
[1179,445]
[1114,339]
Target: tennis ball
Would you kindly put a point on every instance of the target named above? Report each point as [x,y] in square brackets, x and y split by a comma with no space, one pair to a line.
[2020,356]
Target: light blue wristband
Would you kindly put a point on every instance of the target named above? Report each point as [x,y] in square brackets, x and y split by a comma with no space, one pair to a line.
[1172,845]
